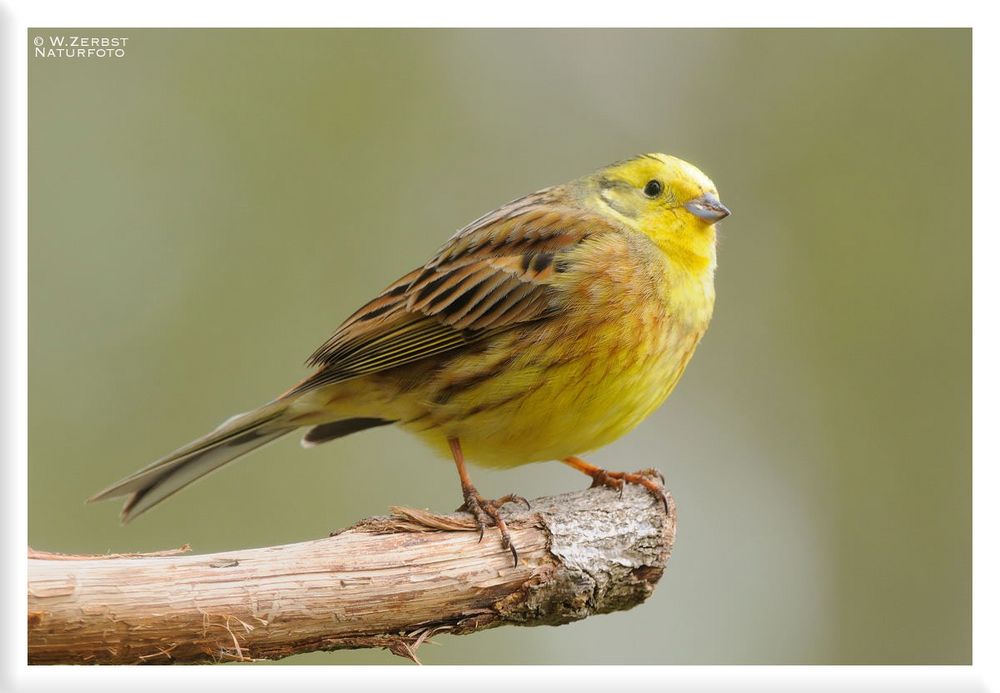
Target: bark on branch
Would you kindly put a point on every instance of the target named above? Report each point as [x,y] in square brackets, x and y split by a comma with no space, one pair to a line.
[387,582]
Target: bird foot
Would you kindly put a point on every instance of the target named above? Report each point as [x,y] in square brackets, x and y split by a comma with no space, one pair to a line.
[647,478]
[487,514]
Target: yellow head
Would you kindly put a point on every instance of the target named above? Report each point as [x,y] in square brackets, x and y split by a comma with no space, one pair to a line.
[665,198]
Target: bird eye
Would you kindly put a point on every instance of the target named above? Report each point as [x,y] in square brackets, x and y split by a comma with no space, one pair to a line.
[653,188]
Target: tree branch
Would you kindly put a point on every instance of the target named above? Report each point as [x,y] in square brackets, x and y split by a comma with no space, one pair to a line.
[389,582]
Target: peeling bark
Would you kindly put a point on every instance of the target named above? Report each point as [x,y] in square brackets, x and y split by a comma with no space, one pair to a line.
[390,582]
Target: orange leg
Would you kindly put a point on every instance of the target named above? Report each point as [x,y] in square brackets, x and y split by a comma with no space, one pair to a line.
[617,480]
[486,512]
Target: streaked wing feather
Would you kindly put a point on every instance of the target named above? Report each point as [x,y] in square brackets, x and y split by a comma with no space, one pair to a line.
[493,274]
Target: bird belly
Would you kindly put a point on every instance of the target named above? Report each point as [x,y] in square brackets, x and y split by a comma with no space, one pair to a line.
[546,393]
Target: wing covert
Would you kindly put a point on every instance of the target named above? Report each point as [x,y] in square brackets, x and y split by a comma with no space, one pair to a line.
[491,275]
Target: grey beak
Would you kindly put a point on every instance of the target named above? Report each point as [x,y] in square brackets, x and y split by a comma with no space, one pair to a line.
[708,207]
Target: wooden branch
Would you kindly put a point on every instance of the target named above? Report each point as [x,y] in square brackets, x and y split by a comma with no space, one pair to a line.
[389,582]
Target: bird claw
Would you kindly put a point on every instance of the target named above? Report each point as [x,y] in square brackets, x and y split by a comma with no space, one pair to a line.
[617,480]
[512,498]
[487,513]
[603,477]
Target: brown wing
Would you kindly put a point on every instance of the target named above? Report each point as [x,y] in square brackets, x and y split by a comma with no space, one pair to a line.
[493,274]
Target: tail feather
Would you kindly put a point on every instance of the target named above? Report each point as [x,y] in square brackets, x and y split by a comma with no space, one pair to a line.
[338,429]
[235,437]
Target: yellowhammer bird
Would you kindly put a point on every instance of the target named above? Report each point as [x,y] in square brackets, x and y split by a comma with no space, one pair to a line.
[543,329]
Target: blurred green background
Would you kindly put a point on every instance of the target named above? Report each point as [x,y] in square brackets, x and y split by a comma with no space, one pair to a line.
[205,210]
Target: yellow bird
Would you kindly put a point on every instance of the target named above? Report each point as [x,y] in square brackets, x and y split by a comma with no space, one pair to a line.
[544,329]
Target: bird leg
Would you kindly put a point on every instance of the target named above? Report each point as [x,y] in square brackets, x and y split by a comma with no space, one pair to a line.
[486,512]
[617,480]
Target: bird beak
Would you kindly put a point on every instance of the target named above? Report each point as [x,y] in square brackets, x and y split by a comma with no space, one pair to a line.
[708,207]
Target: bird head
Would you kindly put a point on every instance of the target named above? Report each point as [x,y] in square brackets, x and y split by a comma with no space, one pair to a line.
[664,197]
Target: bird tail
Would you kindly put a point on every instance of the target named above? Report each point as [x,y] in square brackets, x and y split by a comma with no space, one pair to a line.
[234,438]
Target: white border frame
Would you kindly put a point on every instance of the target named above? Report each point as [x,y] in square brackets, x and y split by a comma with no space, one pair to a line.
[16,19]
